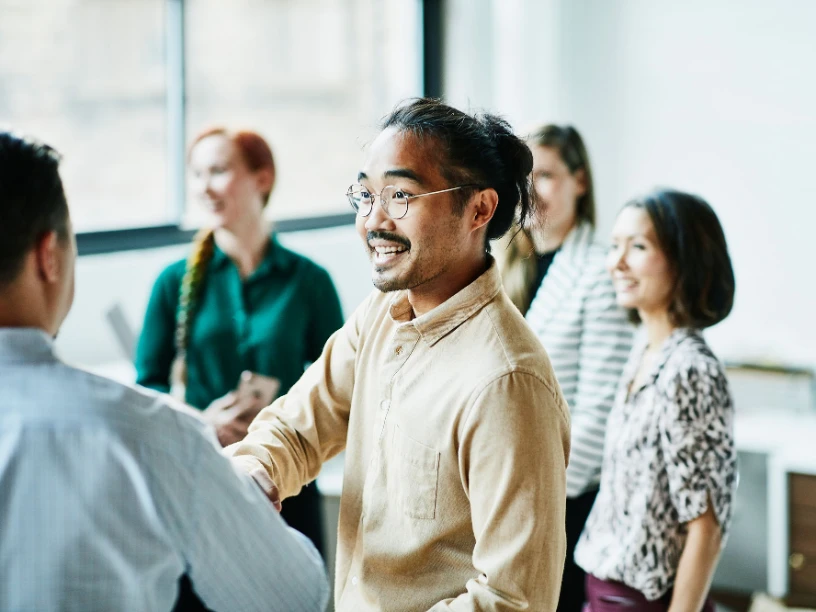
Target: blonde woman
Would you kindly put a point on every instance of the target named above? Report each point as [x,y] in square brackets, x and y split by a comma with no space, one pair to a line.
[235,323]
[554,272]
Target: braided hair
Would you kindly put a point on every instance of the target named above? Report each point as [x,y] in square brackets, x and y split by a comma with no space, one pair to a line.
[191,283]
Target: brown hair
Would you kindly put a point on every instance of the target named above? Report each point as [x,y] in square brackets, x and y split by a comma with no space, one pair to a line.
[257,155]
[692,239]
[570,146]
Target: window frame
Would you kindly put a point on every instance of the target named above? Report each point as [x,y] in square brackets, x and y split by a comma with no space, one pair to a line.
[128,239]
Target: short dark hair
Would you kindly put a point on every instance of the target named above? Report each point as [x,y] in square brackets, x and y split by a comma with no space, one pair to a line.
[692,239]
[32,200]
[570,146]
[478,149]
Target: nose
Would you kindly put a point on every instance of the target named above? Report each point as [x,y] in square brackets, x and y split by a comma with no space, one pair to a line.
[616,260]
[378,219]
[207,185]
[620,263]
[199,185]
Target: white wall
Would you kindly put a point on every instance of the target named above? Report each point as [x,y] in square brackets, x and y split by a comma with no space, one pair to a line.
[87,339]
[715,97]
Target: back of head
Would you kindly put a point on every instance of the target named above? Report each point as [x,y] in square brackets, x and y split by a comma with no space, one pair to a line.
[32,200]
[570,146]
[692,240]
[479,150]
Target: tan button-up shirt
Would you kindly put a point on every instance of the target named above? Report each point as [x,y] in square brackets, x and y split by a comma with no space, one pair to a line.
[456,439]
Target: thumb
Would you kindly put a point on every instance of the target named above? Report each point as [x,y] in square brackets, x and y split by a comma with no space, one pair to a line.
[267,485]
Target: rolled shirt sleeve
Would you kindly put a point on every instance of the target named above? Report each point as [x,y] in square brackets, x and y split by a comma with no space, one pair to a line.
[696,436]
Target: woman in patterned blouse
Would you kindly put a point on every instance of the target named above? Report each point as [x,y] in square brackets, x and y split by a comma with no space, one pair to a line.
[669,474]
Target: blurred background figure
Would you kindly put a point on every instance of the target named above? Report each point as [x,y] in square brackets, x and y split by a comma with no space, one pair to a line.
[555,273]
[234,325]
[669,476]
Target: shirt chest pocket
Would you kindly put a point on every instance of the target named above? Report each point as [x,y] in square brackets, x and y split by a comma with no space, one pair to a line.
[413,476]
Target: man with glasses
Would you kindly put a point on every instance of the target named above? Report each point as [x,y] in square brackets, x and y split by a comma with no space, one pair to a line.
[455,431]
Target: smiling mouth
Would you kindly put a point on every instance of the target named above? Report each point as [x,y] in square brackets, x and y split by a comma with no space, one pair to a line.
[387,254]
[625,285]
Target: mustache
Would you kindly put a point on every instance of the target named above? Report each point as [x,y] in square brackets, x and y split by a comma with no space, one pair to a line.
[390,237]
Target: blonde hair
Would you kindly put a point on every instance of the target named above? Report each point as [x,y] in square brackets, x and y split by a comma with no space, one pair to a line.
[516,259]
[191,283]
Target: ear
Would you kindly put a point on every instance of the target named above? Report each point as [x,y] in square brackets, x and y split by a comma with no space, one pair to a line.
[47,252]
[265,180]
[581,181]
[483,207]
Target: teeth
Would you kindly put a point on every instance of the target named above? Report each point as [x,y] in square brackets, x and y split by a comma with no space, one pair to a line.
[389,250]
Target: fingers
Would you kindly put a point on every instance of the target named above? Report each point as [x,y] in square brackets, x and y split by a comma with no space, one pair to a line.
[268,486]
[222,403]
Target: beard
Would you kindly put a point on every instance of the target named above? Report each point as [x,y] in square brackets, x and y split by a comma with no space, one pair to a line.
[415,275]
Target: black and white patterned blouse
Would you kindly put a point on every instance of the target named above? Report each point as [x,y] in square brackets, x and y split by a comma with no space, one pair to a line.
[669,446]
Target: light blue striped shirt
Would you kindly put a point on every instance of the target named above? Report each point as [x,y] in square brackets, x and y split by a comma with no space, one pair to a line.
[108,495]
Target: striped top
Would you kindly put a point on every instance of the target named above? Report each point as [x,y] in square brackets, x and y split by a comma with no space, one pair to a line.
[588,339]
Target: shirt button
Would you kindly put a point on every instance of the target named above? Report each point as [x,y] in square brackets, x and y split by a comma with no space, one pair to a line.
[384,405]
[354,581]
[398,350]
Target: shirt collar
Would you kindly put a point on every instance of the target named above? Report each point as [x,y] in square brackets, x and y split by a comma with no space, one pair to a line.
[442,320]
[25,344]
[276,258]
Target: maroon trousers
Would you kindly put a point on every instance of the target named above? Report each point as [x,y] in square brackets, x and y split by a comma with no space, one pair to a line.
[607,596]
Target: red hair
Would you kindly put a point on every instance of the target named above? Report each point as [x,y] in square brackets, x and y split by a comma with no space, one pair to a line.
[254,150]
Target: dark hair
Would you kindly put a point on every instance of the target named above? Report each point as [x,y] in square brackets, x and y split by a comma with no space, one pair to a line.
[692,239]
[478,149]
[32,200]
[570,146]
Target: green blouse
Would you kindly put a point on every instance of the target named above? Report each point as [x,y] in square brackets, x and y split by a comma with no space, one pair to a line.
[274,323]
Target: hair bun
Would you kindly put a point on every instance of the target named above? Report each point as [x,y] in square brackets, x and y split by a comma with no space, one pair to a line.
[513,150]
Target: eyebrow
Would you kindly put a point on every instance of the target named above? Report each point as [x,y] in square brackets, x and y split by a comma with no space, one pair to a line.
[630,236]
[396,173]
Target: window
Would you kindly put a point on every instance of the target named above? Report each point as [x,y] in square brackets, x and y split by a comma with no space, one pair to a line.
[88,77]
[312,76]
[101,80]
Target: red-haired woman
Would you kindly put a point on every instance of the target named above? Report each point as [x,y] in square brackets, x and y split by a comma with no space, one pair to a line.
[236,322]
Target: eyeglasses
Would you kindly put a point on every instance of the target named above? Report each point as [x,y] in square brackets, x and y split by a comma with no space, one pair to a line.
[394,201]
